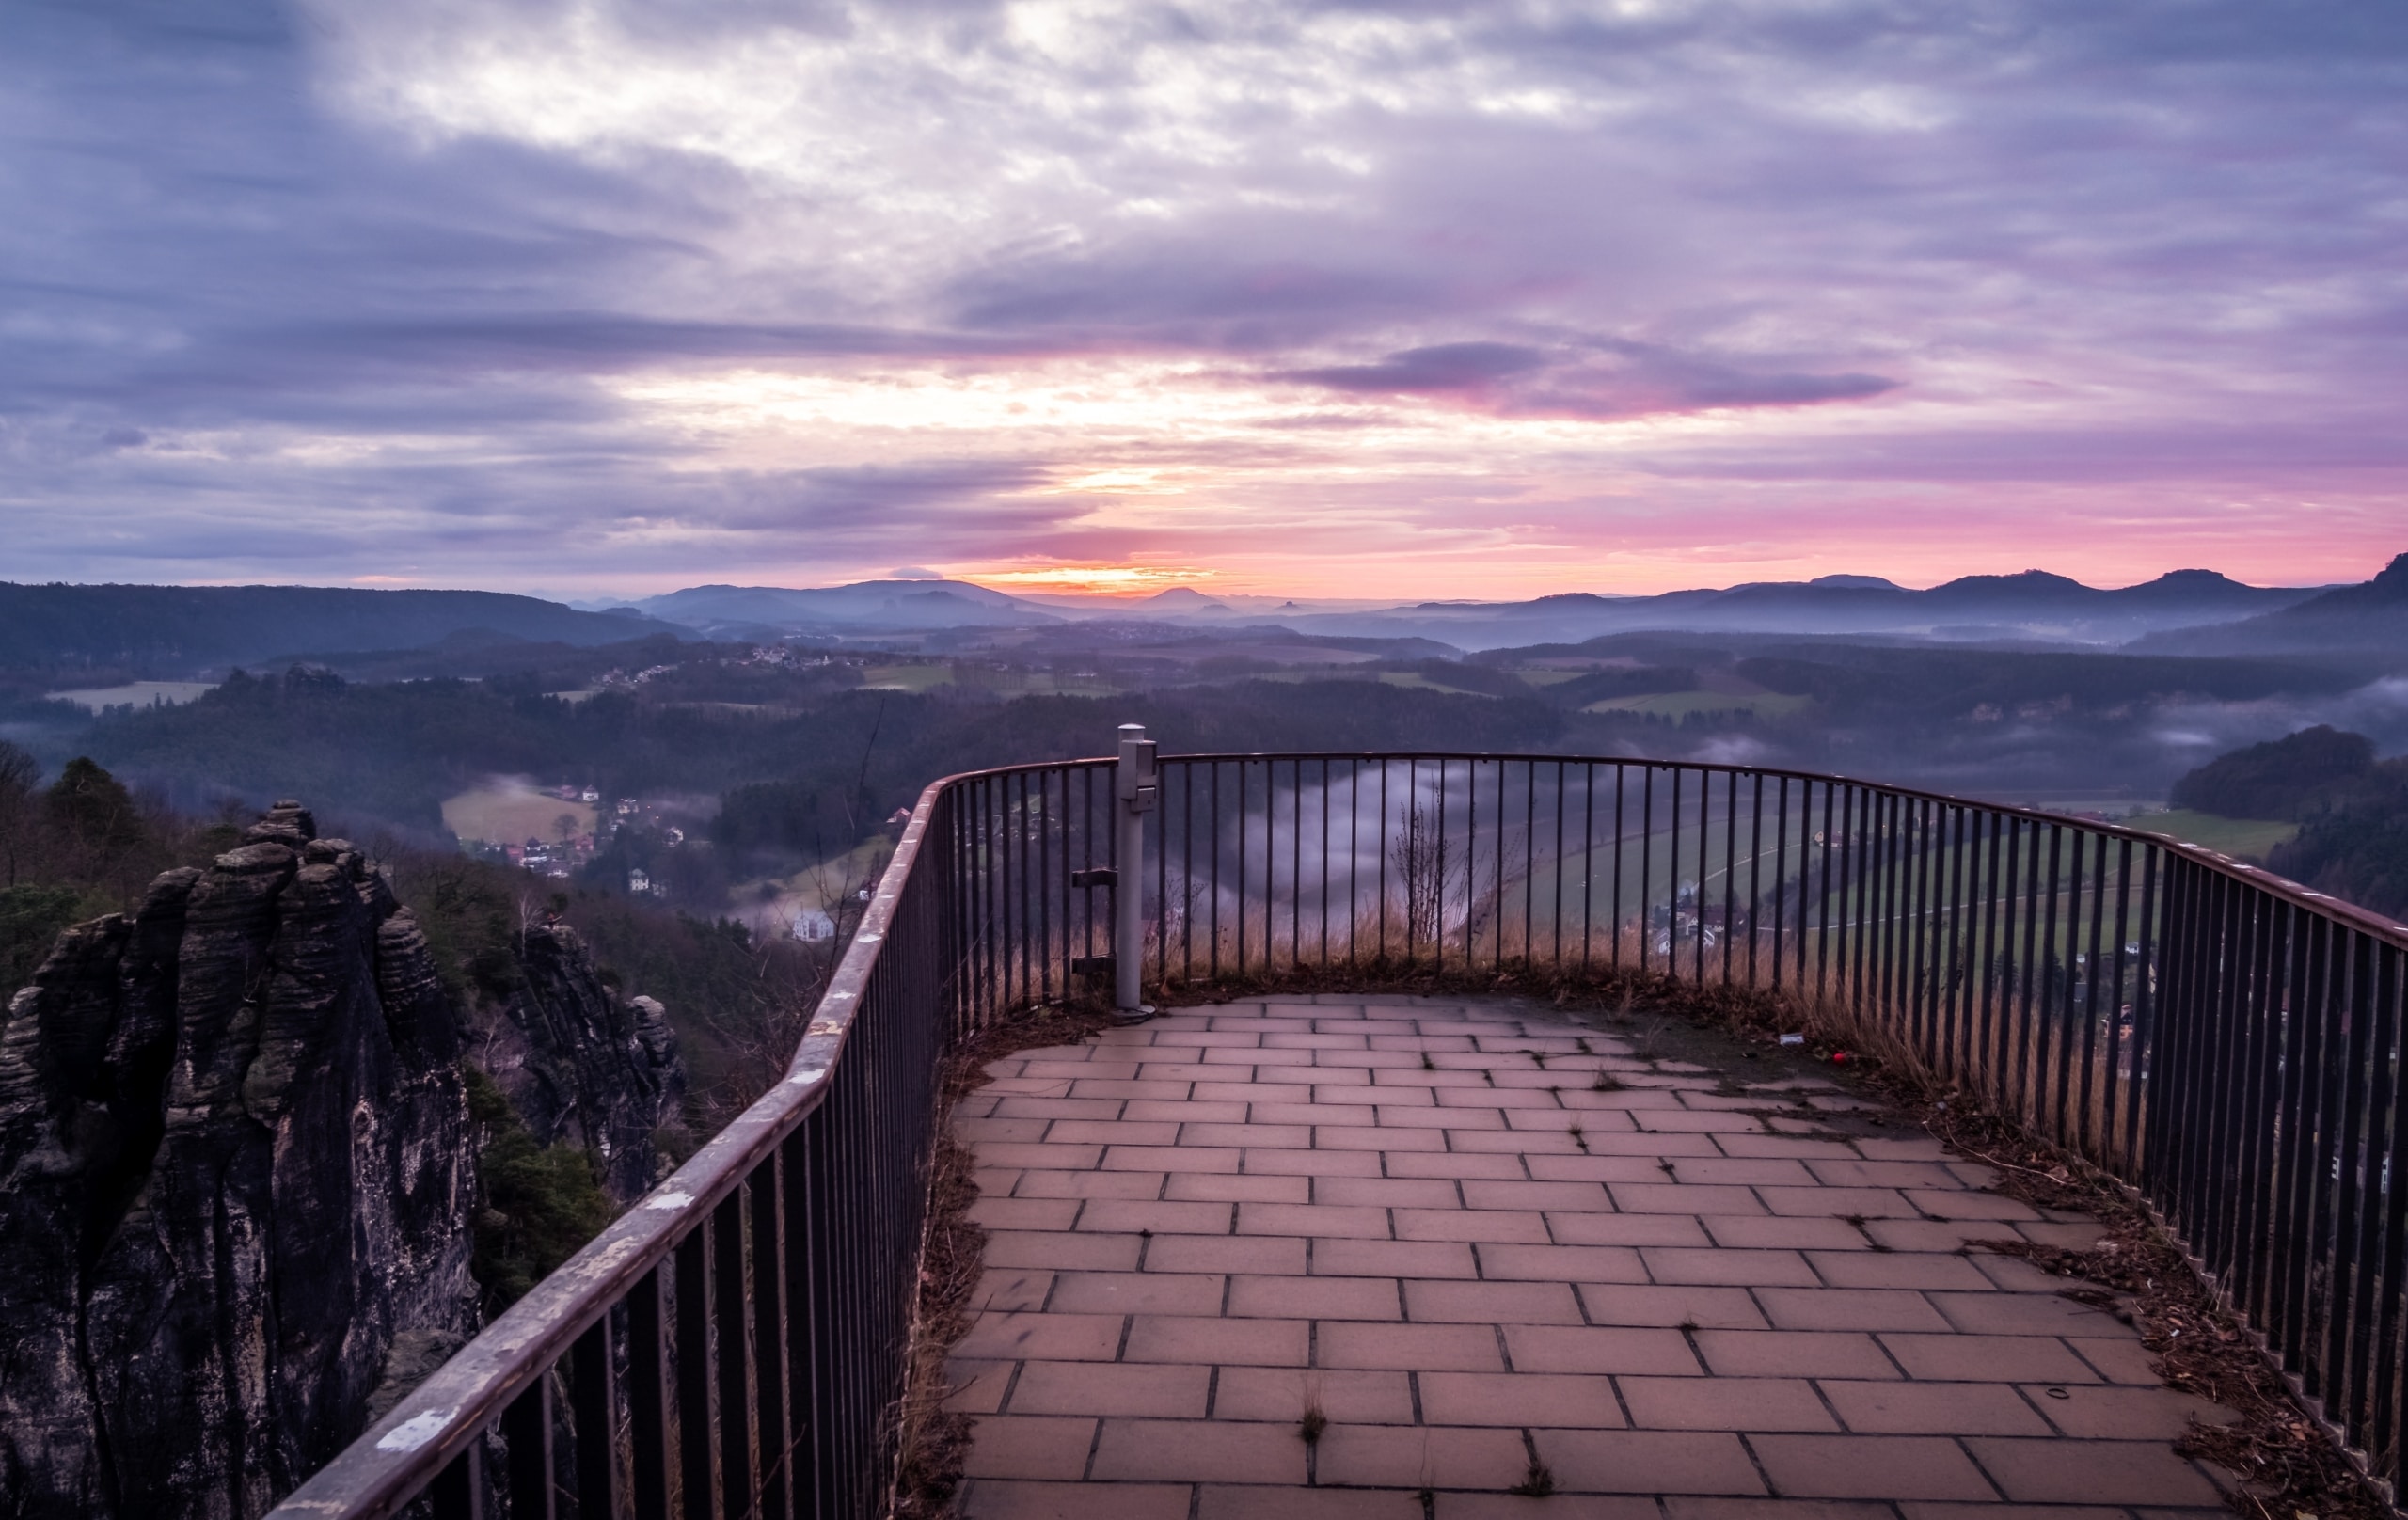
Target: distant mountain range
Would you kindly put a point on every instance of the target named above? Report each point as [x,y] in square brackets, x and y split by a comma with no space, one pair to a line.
[160,632]
[756,611]
[2371,616]
[172,630]
[2032,605]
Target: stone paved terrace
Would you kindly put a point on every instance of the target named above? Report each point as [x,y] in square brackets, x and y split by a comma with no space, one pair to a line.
[1424,1218]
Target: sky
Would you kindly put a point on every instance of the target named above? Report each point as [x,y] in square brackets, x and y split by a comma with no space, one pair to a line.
[591,297]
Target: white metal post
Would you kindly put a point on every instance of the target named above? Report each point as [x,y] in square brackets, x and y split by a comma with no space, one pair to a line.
[1134,790]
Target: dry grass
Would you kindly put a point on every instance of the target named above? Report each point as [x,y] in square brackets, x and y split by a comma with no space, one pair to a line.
[931,1440]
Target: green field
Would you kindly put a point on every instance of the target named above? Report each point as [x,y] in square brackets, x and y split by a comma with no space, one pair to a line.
[2248,838]
[1418,682]
[1548,675]
[905,677]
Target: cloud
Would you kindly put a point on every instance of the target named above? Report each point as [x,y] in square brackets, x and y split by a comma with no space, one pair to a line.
[1597,379]
[1423,297]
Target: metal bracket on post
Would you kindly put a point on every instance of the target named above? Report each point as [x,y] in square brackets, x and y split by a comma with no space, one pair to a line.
[1134,790]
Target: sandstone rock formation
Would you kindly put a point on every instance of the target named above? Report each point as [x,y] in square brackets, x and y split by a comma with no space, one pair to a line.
[234,1176]
[580,1065]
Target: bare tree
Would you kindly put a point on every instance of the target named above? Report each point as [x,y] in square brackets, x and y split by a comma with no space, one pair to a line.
[1419,853]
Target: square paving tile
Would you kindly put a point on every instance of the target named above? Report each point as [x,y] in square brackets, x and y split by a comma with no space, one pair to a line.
[1870,1467]
[1200,1450]
[1520,1397]
[1647,1462]
[1395,1211]
[1724,1403]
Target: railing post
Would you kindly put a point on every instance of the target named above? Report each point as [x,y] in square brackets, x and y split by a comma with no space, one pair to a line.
[1134,788]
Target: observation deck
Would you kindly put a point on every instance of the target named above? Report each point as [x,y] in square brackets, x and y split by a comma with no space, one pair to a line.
[1522,1255]
[1429,1220]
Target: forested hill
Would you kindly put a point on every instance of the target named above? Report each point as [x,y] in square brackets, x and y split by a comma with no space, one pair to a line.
[160,632]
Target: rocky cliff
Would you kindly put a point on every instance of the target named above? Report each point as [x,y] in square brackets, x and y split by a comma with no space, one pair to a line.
[235,1184]
[583,1067]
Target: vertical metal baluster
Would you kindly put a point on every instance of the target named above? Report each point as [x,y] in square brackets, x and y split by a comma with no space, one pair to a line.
[2119,1092]
[2009,973]
[2296,1126]
[1673,945]
[2331,1027]
[1529,849]
[698,1453]
[2381,1428]
[2147,973]
[1931,832]
[1869,842]
[1171,779]
[2346,1190]
[1471,843]
[1920,962]
[1560,778]
[1781,876]
[1729,867]
[593,1420]
[1354,860]
[1704,850]
[2048,970]
[2259,1077]
[1323,867]
[2382,1117]
[1881,865]
[2097,958]
[1246,791]
[730,1295]
[1588,863]
[1823,904]
[2187,940]
[1216,870]
[1755,878]
[1085,824]
[769,1333]
[1048,874]
[1383,870]
[801,1210]
[1296,866]
[458,1491]
[2227,1010]
[1646,861]
[1621,829]
[649,1399]
[526,1426]
[1964,881]
[2029,972]
[1981,960]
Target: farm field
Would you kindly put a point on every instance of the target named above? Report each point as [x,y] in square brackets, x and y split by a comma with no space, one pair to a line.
[510,810]
[2248,838]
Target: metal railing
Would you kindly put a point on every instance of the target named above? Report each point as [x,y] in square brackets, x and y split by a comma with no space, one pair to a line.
[2227,1042]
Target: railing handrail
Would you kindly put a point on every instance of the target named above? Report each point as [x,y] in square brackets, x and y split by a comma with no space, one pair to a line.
[386,1465]
[438,1420]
